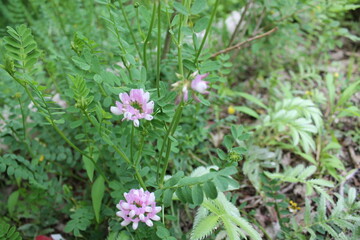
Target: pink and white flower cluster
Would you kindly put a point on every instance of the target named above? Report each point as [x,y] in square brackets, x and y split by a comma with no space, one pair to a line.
[197,85]
[139,206]
[134,106]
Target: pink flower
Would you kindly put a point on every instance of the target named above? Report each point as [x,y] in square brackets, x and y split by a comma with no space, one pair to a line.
[139,206]
[134,107]
[199,85]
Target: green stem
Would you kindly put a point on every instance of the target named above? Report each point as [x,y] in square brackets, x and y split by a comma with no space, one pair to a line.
[132,143]
[121,47]
[129,27]
[122,155]
[23,117]
[170,132]
[138,24]
[179,46]
[158,60]
[58,16]
[149,35]
[140,151]
[100,171]
[164,142]
[253,220]
[278,215]
[16,135]
[53,124]
[208,28]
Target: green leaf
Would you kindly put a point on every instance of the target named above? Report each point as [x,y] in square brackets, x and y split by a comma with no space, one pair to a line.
[88,164]
[246,226]
[167,197]
[210,190]
[349,91]
[180,8]
[321,182]
[81,63]
[307,214]
[228,171]
[8,232]
[187,194]
[331,89]
[97,194]
[247,111]
[351,196]
[352,111]
[162,232]
[197,194]
[180,195]
[201,24]
[12,201]
[307,157]
[252,99]
[174,179]
[198,6]
[307,172]
[228,142]
[204,227]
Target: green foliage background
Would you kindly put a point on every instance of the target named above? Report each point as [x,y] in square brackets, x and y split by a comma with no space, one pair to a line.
[66,160]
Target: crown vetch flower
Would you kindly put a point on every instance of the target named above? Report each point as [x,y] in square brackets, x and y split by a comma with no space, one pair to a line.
[134,106]
[139,206]
[199,85]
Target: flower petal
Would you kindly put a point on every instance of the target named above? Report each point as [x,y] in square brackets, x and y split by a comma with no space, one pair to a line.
[148,117]
[115,110]
[135,225]
[125,223]
[149,223]
[155,218]
[136,123]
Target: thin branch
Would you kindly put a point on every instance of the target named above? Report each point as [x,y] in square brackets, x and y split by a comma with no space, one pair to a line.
[167,41]
[239,23]
[239,45]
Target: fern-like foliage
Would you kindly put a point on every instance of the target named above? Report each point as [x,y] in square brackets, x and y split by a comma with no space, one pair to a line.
[80,220]
[217,212]
[342,222]
[81,92]
[296,117]
[256,160]
[300,174]
[21,48]
[22,52]
[14,11]
[20,168]
[8,232]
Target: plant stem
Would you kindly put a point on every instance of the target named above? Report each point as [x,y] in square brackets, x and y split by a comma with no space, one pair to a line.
[208,28]
[138,25]
[158,60]
[53,124]
[179,46]
[239,23]
[132,143]
[123,156]
[23,117]
[129,27]
[170,132]
[140,151]
[137,173]
[121,47]
[149,35]
[278,215]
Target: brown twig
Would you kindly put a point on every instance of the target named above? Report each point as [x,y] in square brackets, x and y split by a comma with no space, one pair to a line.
[239,45]
[239,23]
[167,41]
